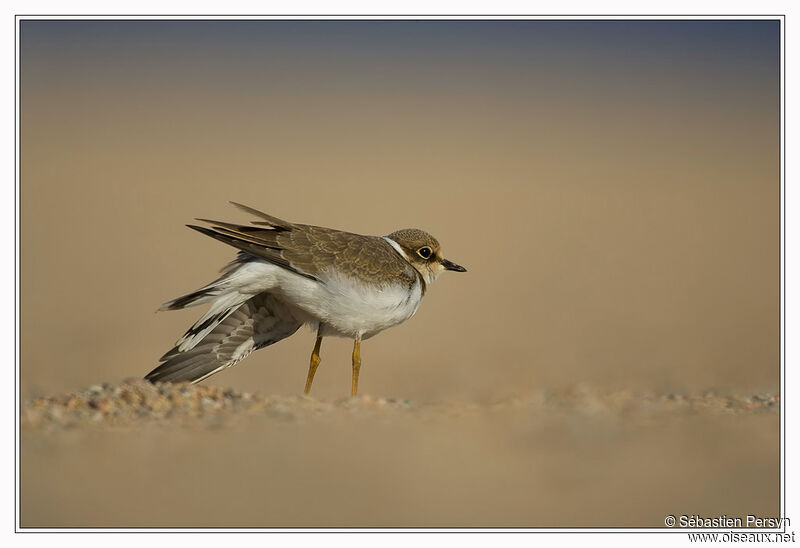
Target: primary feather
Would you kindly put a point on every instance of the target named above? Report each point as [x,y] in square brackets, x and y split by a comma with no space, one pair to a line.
[230,336]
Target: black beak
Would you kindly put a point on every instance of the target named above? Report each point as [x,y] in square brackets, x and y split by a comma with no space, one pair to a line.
[452,266]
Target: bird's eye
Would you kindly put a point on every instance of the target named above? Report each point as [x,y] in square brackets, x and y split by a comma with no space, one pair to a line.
[424,252]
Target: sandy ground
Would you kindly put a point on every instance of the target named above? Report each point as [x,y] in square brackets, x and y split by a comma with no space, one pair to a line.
[139,455]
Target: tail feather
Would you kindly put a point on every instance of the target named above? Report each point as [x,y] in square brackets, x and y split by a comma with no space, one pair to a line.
[203,295]
[190,299]
[239,282]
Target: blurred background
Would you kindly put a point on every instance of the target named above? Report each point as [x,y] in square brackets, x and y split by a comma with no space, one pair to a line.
[612,188]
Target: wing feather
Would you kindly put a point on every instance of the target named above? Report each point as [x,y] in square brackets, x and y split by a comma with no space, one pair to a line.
[252,246]
[311,250]
[259,322]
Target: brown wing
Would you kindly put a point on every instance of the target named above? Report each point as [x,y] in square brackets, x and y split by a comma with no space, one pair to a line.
[309,250]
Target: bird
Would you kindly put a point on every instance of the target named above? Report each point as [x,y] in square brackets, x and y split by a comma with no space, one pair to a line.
[286,275]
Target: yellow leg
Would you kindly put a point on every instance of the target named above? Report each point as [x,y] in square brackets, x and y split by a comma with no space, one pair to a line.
[356,365]
[312,368]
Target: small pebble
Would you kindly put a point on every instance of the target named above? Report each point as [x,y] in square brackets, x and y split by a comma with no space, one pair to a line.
[135,401]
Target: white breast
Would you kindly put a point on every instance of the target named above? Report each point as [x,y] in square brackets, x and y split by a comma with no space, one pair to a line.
[354,310]
[347,308]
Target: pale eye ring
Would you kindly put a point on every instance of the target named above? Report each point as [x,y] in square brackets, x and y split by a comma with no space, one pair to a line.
[425,252]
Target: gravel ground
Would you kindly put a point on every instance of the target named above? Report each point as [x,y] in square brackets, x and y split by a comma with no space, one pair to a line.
[135,402]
